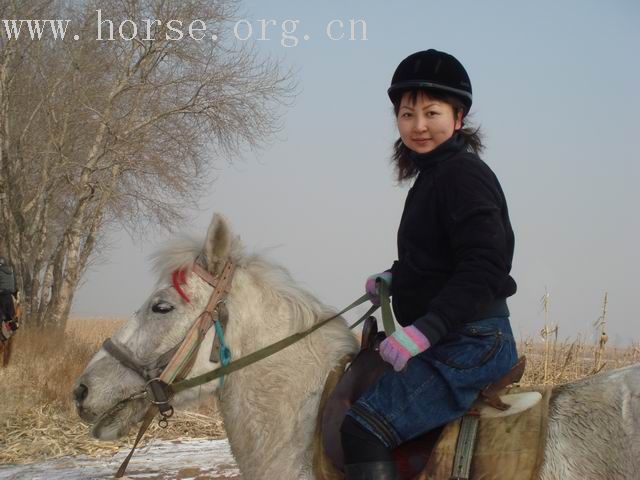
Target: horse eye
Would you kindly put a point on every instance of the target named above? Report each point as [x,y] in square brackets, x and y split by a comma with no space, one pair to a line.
[162,307]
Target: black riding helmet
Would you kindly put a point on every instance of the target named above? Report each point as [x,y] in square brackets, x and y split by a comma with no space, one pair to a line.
[435,70]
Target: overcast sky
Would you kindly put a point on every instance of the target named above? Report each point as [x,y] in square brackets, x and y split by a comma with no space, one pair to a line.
[555,90]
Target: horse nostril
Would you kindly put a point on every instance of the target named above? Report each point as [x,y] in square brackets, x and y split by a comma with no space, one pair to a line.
[80,393]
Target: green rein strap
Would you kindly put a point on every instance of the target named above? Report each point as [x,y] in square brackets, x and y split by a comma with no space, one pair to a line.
[258,355]
[385,308]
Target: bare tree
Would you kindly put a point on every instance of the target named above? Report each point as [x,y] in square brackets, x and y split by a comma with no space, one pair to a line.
[99,134]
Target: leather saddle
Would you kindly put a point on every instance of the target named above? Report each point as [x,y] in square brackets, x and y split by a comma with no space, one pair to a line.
[363,372]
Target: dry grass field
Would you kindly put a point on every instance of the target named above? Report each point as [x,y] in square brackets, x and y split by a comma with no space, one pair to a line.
[555,362]
[37,418]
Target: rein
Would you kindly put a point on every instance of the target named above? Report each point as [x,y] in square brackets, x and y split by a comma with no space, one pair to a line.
[176,363]
[267,351]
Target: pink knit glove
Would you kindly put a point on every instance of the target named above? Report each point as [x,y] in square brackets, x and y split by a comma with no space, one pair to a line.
[402,345]
[372,289]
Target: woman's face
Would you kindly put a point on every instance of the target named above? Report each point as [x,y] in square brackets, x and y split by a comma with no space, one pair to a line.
[427,123]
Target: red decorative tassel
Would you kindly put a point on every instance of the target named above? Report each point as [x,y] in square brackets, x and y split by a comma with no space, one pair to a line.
[179,277]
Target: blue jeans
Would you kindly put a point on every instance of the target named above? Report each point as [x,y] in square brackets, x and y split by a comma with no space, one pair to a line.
[440,384]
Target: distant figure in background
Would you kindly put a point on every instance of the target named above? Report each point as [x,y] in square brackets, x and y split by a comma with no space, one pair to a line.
[8,291]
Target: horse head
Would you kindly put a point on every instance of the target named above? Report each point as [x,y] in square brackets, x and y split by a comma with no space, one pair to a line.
[111,395]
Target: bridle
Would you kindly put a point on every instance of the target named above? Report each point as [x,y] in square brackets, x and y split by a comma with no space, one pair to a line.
[176,363]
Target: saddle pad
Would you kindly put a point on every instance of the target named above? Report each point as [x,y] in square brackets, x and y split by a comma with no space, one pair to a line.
[506,447]
[518,402]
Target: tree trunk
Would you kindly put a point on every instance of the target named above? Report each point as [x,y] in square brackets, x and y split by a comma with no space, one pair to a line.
[94,134]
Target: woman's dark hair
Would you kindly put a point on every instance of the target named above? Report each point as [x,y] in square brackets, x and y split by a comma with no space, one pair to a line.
[405,168]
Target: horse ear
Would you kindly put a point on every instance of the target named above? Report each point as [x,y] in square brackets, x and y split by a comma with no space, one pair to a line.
[217,245]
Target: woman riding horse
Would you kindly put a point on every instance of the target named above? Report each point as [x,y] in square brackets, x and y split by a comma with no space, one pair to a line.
[451,280]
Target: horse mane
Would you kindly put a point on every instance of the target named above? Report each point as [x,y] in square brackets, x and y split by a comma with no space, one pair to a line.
[273,280]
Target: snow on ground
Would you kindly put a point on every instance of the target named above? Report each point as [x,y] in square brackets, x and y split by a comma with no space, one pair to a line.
[160,460]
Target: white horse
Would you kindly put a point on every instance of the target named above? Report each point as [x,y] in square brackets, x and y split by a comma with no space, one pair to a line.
[270,407]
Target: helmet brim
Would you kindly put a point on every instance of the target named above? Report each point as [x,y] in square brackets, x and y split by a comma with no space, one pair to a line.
[396,88]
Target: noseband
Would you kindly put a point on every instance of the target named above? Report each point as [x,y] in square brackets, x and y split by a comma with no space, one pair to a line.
[127,359]
[178,361]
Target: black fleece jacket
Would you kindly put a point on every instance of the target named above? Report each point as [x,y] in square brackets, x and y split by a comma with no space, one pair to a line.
[455,242]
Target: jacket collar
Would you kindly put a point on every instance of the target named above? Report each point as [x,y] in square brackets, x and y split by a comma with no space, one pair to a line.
[427,161]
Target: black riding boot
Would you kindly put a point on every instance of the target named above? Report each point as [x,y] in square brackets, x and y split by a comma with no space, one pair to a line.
[371,471]
[365,457]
